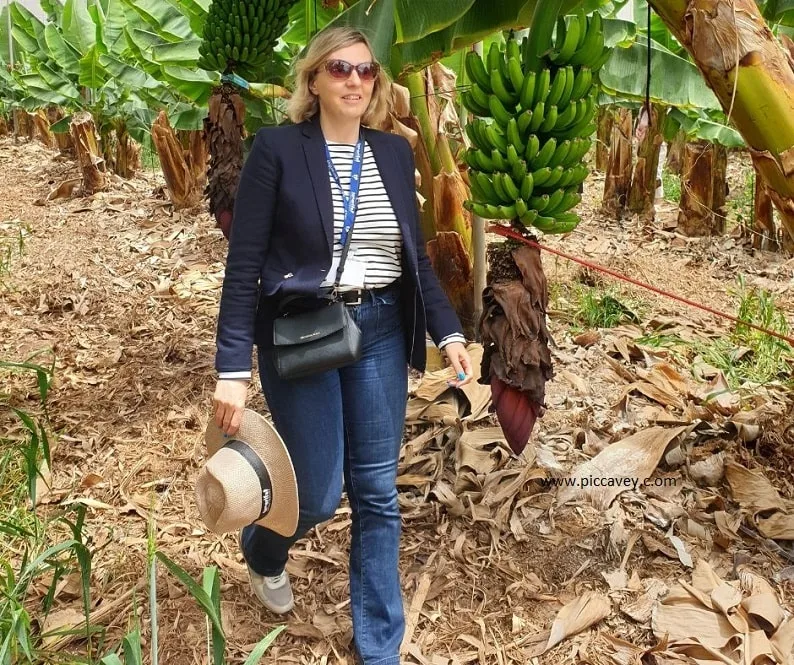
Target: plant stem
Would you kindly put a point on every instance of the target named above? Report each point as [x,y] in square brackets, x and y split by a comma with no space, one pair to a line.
[415,82]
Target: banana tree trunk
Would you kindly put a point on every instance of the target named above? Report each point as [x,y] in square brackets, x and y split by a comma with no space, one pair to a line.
[618,176]
[763,217]
[448,232]
[89,154]
[606,119]
[183,189]
[696,214]
[643,183]
[751,75]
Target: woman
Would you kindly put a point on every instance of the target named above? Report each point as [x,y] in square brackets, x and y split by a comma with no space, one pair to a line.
[286,240]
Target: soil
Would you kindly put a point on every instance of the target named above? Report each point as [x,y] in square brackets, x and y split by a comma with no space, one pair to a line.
[120,292]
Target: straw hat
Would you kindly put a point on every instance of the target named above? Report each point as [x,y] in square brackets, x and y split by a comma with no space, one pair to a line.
[248,479]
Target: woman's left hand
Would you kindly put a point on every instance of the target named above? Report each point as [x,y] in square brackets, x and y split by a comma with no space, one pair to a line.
[461,362]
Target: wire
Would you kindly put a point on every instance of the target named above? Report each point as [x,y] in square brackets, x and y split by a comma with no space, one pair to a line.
[509,233]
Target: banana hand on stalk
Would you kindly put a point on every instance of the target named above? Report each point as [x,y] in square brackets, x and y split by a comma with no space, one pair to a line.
[533,125]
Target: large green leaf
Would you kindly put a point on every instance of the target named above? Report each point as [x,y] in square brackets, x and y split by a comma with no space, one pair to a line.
[778,11]
[302,18]
[674,81]
[61,51]
[195,11]
[92,73]
[132,77]
[115,20]
[187,117]
[4,36]
[53,9]
[698,127]
[56,81]
[483,19]
[28,31]
[195,85]
[376,20]
[142,43]
[185,53]
[413,22]
[164,18]
[78,27]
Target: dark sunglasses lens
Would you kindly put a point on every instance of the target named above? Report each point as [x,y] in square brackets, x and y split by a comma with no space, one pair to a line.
[339,69]
[367,71]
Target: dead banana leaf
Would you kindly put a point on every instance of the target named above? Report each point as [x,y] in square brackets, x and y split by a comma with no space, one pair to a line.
[619,467]
[578,615]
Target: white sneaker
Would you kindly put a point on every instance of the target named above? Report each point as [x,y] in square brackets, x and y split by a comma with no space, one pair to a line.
[275,593]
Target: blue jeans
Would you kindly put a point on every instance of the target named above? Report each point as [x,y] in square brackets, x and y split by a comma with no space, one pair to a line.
[349,423]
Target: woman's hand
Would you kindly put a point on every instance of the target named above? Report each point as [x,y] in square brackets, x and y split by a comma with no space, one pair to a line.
[461,362]
[229,403]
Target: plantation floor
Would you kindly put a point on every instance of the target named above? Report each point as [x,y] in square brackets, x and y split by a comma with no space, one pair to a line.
[122,292]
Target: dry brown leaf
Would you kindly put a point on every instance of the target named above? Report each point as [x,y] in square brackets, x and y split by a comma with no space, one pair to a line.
[59,622]
[578,615]
[625,464]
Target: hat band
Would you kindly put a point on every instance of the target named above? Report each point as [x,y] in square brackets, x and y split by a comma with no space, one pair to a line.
[259,468]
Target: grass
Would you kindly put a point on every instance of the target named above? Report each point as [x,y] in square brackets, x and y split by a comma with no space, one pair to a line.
[671,184]
[43,549]
[748,355]
[742,205]
[11,244]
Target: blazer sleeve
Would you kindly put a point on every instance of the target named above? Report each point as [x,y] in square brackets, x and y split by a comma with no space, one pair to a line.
[442,321]
[254,210]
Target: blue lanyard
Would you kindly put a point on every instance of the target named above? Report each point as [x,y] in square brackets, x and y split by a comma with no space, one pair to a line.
[351,198]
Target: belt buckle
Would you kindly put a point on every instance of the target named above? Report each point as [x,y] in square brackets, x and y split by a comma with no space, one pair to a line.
[357,301]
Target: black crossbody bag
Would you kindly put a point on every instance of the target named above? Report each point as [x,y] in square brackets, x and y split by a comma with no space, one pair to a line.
[325,337]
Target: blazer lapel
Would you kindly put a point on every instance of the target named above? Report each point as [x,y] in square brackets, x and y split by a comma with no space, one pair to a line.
[394,182]
[314,152]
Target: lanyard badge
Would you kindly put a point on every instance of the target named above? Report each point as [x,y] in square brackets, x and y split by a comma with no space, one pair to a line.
[351,197]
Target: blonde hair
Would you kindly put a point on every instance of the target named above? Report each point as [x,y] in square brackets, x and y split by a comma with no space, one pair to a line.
[304,104]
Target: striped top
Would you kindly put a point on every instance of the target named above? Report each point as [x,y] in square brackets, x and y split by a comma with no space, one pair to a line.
[376,237]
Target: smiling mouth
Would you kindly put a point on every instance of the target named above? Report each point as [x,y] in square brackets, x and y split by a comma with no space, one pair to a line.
[352,98]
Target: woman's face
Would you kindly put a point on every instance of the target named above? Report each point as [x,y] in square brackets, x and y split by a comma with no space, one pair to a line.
[344,95]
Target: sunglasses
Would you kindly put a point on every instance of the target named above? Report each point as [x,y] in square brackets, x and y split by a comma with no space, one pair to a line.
[341,70]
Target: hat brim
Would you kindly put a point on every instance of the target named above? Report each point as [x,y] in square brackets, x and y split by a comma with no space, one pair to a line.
[266,442]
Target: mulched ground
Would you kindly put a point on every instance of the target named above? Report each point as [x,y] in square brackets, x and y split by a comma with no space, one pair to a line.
[121,293]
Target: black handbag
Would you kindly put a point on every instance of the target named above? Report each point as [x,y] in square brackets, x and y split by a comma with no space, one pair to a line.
[324,337]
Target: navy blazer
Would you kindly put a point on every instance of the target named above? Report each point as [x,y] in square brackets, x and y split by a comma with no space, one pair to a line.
[282,241]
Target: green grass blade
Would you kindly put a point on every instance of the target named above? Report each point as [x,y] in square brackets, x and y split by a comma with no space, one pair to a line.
[133,654]
[200,596]
[262,646]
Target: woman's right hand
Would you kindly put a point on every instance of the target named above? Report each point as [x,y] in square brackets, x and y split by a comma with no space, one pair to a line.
[229,402]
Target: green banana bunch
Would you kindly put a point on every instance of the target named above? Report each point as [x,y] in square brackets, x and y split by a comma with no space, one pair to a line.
[239,35]
[533,126]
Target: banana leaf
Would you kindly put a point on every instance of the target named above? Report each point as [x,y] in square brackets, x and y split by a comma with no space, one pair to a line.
[674,81]
[187,117]
[28,30]
[61,51]
[53,9]
[778,11]
[302,17]
[195,85]
[141,44]
[92,73]
[164,18]
[110,23]
[132,77]
[411,25]
[4,36]
[78,27]
[195,11]
[696,126]
[619,32]
[185,53]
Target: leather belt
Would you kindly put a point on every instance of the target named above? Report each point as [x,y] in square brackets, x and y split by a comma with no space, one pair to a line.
[357,296]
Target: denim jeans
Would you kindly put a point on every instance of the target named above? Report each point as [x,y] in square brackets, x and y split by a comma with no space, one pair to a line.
[349,423]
